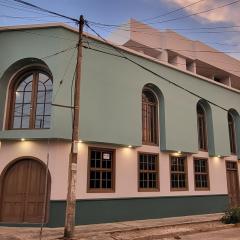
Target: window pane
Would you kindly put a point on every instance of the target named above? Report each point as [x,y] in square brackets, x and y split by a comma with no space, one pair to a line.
[17,122]
[178,172]
[25,122]
[201,173]
[101,169]
[148,171]
[25,101]
[149,117]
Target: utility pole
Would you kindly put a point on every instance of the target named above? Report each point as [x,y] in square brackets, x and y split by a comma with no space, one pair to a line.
[72,170]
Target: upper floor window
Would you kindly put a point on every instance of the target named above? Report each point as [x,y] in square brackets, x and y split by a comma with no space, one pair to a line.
[31,100]
[232,133]
[149,118]
[202,128]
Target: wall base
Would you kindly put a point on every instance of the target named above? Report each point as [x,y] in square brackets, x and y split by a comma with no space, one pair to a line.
[95,211]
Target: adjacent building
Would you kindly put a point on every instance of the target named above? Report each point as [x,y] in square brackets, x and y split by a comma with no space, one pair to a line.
[159,135]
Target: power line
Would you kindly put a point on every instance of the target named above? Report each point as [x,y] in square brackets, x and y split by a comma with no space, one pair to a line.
[199,67]
[173,19]
[22,8]
[179,37]
[154,73]
[49,56]
[64,74]
[177,50]
[174,11]
[46,10]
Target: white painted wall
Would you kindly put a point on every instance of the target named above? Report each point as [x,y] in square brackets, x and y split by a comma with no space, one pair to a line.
[126,169]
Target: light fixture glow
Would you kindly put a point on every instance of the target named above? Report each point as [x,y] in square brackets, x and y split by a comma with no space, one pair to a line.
[23,139]
[130,146]
[179,152]
[80,141]
[218,156]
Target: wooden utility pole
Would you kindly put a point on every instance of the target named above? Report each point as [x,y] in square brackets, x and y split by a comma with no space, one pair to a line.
[72,170]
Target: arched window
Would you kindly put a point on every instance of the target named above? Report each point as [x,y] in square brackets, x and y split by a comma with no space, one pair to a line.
[31,100]
[232,133]
[202,128]
[149,118]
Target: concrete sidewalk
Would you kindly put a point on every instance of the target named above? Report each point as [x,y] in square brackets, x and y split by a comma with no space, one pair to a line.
[135,230]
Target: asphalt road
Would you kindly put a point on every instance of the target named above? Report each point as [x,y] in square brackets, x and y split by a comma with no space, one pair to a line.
[228,234]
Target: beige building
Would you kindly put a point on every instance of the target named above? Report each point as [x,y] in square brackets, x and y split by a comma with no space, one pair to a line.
[188,55]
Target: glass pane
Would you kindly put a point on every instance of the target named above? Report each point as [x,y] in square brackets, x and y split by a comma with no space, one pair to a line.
[26,109]
[18,109]
[47,121]
[49,96]
[40,109]
[26,84]
[19,97]
[39,122]
[25,122]
[48,108]
[17,122]
[27,97]
[41,97]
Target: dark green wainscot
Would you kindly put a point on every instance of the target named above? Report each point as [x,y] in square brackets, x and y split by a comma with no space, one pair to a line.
[93,211]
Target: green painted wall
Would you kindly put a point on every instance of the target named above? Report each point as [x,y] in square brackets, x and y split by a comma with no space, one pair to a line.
[114,210]
[111,94]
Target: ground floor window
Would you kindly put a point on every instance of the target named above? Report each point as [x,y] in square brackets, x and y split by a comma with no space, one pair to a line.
[148,172]
[201,173]
[101,170]
[178,168]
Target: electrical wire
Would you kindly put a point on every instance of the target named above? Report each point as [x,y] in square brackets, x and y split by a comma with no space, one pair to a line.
[46,10]
[154,73]
[174,11]
[173,19]
[200,67]
[177,36]
[64,74]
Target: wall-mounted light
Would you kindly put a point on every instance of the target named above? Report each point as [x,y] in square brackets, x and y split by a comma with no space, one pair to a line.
[23,139]
[129,146]
[218,156]
[80,141]
[179,152]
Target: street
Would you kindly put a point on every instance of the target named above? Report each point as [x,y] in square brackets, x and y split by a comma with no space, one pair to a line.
[230,234]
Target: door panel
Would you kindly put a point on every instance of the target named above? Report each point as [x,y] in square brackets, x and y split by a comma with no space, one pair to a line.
[23,192]
[233,183]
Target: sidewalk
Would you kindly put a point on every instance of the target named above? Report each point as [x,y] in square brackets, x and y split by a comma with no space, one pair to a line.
[134,230]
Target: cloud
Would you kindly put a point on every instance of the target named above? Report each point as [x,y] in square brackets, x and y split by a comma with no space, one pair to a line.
[227,14]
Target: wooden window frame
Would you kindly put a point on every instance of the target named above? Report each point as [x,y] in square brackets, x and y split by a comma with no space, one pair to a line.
[196,173]
[156,119]
[186,188]
[113,170]
[232,134]
[204,133]
[157,189]
[17,79]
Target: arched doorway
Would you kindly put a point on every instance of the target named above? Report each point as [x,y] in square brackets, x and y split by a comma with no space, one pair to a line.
[23,194]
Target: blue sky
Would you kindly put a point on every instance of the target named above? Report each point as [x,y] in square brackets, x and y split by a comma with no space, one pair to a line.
[117,12]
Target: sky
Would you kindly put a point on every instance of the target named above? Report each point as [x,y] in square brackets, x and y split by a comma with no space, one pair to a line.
[152,12]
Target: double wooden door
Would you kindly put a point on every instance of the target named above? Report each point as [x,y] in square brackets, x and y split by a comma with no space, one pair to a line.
[23,195]
[233,183]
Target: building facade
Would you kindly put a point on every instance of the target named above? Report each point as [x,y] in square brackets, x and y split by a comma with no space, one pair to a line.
[155,141]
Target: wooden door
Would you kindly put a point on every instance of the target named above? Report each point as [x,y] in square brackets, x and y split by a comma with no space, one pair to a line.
[23,192]
[233,183]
